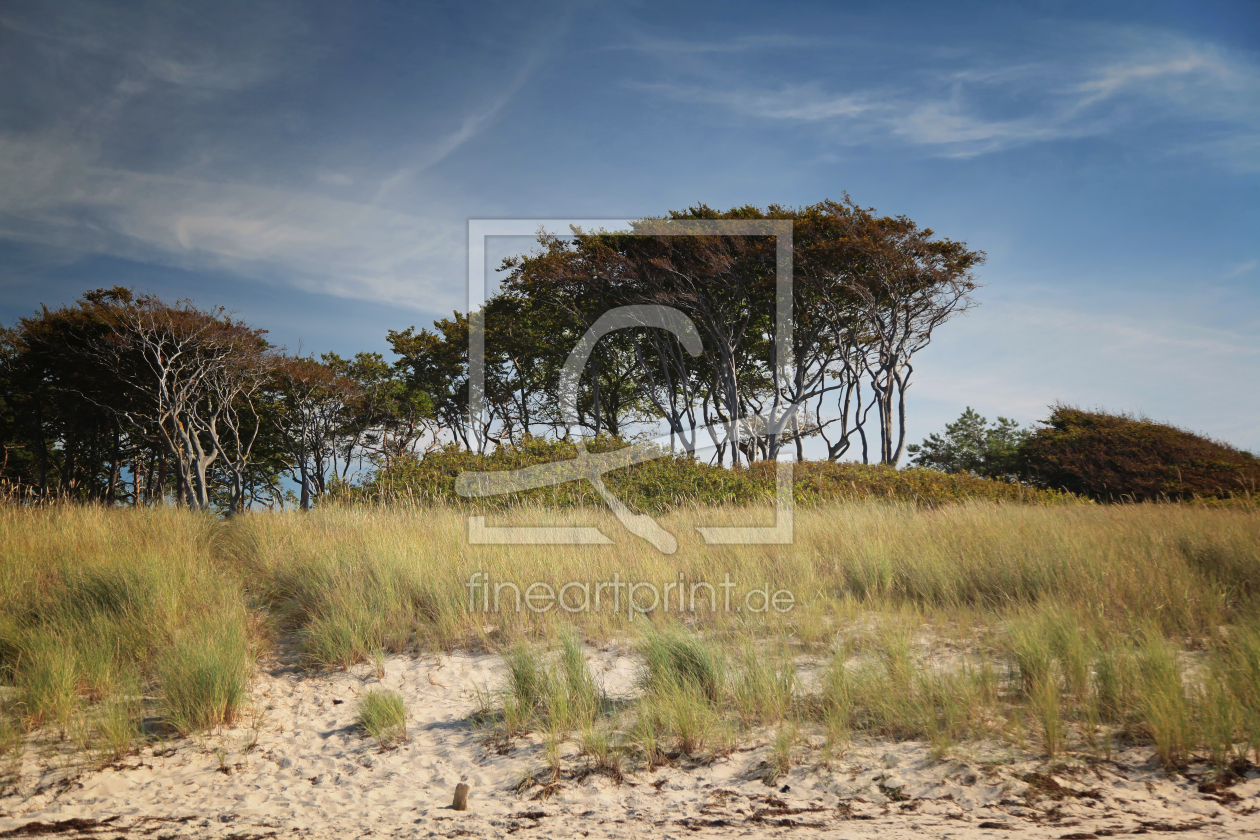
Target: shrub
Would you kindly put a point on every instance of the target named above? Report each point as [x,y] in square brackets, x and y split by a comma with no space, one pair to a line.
[96,605]
[674,659]
[559,696]
[675,481]
[45,679]
[1115,457]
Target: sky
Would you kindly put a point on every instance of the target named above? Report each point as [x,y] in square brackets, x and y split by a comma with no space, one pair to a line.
[313,166]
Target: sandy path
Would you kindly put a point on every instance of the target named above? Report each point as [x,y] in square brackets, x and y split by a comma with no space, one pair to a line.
[311,774]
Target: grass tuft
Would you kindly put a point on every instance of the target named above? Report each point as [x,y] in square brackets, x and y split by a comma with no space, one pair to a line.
[205,676]
[383,715]
[679,662]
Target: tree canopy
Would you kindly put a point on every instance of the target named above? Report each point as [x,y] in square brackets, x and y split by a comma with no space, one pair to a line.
[121,397]
[971,444]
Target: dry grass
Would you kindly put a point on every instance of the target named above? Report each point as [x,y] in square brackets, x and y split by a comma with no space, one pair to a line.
[1071,623]
[356,579]
[101,608]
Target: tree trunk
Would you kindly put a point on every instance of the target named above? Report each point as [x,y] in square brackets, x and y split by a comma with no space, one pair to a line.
[306,484]
[902,384]
[41,445]
[115,468]
[595,393]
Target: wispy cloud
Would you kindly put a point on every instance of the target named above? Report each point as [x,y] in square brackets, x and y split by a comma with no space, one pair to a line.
[1132,81]
[79,172]
[798,103]
[747,43]
[472,125]
[55,197]
[1243,268]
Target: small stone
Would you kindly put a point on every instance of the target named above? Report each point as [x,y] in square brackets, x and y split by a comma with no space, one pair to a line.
[460,803]
[285,763]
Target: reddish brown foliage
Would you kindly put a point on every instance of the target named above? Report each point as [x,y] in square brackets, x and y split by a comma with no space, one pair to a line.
[1118,458]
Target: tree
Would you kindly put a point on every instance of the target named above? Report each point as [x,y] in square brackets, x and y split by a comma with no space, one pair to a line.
[869,292]
[60,406]
[389,415]
[125,397]
[316,401]
[554,298]
[192,376]
[234,387]
[970,444]
[894,284]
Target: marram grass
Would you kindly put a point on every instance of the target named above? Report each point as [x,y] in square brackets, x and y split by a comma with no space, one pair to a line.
[353,580]
[1076,622]
[383,715]
[100,608]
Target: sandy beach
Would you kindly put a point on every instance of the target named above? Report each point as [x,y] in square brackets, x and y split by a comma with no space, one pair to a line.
[296,766]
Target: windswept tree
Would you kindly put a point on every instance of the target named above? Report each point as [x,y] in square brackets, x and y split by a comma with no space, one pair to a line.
[193,376]
[884,285]
[236,385]
[387,418]
[316,402]
[869,292]
[435,362]
[725,285]
[64,437]
[123,397]
[546,306]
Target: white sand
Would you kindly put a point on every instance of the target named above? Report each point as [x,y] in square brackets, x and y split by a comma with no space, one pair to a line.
[311,774]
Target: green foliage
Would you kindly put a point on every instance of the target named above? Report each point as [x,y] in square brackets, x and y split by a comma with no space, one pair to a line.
[1087,611]
[528,677]
[1120,458]
[45,680]
[1166,710]
[559,697]
[674,481]
[99,607]
[824,482]
[57,425]
[970,444]
[764,688]
[383,715]
[677,717]
[348,608]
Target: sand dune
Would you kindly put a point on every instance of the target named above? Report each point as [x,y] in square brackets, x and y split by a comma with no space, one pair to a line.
[297,767]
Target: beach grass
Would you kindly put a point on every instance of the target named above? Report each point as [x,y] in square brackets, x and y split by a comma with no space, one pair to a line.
[1069,627]
[383,715]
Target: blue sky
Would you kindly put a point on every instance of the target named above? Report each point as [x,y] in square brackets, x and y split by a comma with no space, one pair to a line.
[313,166]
